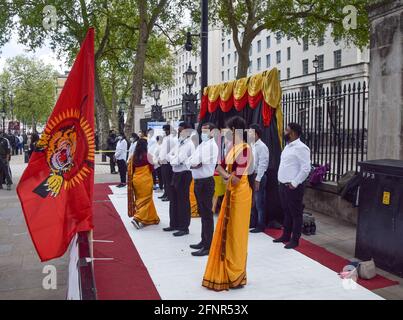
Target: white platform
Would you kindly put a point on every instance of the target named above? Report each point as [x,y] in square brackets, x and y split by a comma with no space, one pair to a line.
[272,271]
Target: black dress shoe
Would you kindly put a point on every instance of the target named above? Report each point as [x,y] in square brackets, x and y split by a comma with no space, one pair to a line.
[281,239]
[180,233]
[256,230]
[274,225]
[165,199]
[169,229]
[163,196]
[202,252]
[291,245]
[197,246]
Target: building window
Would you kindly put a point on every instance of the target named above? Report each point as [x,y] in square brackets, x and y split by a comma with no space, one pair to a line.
[278,56]
[288,73]
[222,61]
[229,44]
[278,37]
[259,46]
[305,64]
[222,47]
[305,44]
[337,58]
[235,57]
[250,66]
[289,53]
[222,75]
[268,62]
[321,41]
[228,58]
[259,64]
[279,74]
[321,63]
[235,72]
[268,42]
[228,76]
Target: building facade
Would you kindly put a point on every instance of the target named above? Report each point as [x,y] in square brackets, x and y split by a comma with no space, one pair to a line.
[338,63]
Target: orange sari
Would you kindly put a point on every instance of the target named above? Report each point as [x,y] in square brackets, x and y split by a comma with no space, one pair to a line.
[226,265]
[140,195]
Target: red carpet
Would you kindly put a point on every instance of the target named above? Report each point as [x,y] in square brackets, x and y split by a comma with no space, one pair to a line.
[333,261]
[125,277]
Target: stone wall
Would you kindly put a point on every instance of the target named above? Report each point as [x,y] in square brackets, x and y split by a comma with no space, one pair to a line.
[325,200]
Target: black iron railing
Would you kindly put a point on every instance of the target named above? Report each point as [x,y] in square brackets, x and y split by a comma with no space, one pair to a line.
[334,119]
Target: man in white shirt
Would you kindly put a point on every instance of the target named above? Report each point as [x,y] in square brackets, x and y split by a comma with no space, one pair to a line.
[203,163]
[120,157]
[261,163]
[295,166]
[179,204]
[168,144]
[155,153]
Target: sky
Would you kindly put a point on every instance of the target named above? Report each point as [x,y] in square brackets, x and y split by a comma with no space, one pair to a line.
[13,48]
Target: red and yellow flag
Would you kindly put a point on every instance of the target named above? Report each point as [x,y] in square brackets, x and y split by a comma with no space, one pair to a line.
[56,188]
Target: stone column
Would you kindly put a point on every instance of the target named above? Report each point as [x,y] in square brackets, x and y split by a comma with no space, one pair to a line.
[385,127]
[138,114]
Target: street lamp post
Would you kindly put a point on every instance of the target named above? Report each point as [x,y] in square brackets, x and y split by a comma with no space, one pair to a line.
[3,111]
[156,109]
[189,101]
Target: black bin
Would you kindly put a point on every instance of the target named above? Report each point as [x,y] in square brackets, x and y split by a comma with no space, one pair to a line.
[380,218]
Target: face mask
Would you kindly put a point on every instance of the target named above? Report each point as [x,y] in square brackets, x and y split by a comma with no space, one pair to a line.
[204,137]
[287,137]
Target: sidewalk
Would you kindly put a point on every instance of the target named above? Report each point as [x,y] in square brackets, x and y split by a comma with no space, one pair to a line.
[21,271]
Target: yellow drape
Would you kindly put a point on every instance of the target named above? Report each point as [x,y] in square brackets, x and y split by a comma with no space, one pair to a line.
[226,265]
[255,84]
[240,87]
[140,195]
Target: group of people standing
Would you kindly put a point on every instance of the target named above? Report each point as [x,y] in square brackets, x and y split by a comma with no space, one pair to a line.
[239,156]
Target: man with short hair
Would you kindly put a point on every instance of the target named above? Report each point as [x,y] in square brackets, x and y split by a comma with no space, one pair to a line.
[261,163]
[179,205]
[5,155]
[111,146]
[203,163]
[295,166]
[168,144]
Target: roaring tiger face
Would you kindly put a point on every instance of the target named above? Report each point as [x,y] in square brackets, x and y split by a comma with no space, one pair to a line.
[61,150]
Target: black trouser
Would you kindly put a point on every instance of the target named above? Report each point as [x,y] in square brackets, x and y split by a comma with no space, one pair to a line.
[111,162]
[204,192]
[122,170]
[160,179]
[5,173]
[166,171]
[291,202]
[179,205]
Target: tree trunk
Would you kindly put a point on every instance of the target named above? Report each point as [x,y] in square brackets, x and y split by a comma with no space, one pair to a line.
[101,113]
[138,75]
[114,114]
[243,62]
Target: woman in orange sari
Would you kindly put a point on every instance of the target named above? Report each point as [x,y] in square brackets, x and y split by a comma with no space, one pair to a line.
[226,265]
[140,187]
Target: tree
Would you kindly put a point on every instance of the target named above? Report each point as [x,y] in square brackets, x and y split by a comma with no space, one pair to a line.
[74,17]
[32,84]
[163,15]
[297,19]
[6,22]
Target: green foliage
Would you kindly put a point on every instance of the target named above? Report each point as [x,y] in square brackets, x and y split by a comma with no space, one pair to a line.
[33,86]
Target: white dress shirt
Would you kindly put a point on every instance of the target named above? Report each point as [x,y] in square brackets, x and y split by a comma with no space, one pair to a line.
[155,155]
[180,155]
[261,159]
[121,150]
[205,154]
[131,149]
[295,163]
[167,145]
